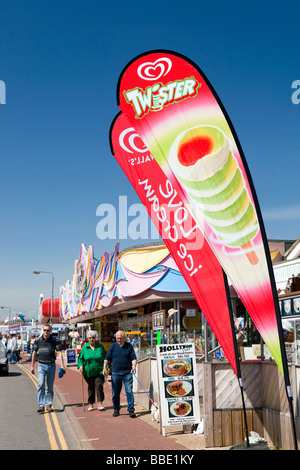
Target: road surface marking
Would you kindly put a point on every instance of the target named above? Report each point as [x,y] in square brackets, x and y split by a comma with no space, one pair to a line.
[51,434]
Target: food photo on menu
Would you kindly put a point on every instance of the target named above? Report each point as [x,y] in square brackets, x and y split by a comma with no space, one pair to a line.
[177,367]
[179,388]
[180,409]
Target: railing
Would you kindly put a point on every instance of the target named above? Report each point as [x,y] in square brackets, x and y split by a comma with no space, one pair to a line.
[206,346]
[145,345]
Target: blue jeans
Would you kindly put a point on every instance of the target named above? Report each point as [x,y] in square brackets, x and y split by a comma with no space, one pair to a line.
[11,356]
[116,385]
[46,373]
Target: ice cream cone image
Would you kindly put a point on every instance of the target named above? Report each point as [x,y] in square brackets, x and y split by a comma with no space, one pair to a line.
[202,160]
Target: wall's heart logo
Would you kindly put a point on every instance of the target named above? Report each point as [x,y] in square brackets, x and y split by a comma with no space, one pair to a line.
[130,140]
[154,70]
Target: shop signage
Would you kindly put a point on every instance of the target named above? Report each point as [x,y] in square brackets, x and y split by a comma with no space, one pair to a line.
[282,272]
[178,386]
[35,331]
[190,312]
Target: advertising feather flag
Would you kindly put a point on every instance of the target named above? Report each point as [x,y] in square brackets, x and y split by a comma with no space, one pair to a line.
[181,120]
[162,198]
[183,123]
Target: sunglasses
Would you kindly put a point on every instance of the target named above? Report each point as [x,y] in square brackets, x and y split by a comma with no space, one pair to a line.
[47,331]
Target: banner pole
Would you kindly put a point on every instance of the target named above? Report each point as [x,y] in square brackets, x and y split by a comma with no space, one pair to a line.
[238,366]
[293,423]
[285,370]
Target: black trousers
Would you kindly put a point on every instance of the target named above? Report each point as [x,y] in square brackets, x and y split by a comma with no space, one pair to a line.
[95,388]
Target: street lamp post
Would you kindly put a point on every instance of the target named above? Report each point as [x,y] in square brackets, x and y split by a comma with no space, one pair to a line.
[52,289]
[8,315]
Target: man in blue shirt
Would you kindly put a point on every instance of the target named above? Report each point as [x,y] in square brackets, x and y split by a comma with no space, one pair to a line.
[122,356]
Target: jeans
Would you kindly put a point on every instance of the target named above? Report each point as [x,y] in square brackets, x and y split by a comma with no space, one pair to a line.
[46,373]
[116,385]
[12,359]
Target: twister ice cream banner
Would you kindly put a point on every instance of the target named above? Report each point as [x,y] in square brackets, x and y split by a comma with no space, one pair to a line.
[162,198]
[181,120]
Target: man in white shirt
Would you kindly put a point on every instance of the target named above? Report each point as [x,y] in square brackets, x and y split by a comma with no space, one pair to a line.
[11,347]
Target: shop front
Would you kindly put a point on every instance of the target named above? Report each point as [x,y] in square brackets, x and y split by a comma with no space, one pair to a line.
[287,277]
[139,291]
[106,327]
[290,315]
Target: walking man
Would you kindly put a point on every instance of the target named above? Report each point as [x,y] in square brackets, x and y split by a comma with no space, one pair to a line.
[46,346]
[11,348]
[123,359]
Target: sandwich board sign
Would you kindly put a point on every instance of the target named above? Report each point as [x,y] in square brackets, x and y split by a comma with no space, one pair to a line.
[178,386]
[71,357]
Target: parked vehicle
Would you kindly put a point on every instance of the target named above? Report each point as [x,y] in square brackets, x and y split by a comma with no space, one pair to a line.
[3,359]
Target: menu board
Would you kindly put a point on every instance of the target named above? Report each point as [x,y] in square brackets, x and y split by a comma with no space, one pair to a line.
[287,304]
[178,386]
[290,306]
[296,306]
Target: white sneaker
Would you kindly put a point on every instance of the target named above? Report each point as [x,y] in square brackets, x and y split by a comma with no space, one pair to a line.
[101,408]
[90,408]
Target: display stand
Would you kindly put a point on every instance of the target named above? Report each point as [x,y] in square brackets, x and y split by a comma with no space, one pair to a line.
[178,385]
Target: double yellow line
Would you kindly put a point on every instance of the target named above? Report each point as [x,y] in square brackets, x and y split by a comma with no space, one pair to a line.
[51,434]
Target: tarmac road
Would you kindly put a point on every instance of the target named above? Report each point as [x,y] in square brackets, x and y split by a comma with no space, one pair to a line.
[21,427]
[73,427]
[69,427]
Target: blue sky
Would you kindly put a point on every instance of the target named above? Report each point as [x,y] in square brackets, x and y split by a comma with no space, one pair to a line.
[60,62]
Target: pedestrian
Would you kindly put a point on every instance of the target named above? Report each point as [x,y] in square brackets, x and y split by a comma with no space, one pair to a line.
[90,363]
[19,347]
[46,346]
[11,348]
[33,338]
[4,340]
[239,333]
[122,356]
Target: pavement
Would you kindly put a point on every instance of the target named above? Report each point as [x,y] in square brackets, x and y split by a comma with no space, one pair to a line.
[99,430]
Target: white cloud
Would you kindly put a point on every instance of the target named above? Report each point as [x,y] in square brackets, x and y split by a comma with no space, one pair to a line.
[282,213]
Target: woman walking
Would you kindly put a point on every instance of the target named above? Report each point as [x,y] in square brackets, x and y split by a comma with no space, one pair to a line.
[90,363]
